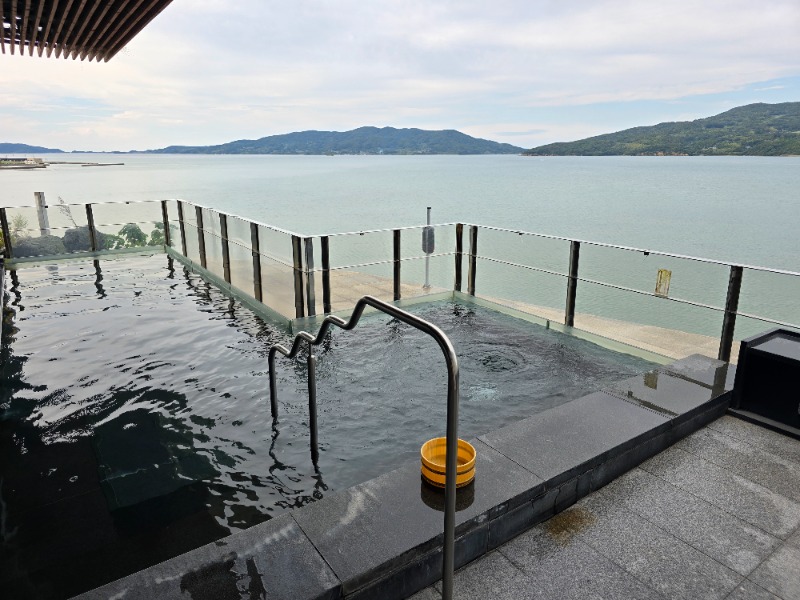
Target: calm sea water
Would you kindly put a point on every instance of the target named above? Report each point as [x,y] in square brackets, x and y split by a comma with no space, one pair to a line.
[741,209]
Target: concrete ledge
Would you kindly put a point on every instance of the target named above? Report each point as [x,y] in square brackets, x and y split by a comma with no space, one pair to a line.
[383,538]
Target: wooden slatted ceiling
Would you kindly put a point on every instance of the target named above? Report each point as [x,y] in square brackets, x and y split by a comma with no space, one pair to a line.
[93,29]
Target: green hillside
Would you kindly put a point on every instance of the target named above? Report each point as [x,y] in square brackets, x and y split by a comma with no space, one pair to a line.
[364,140]
[752,130]
[9,148]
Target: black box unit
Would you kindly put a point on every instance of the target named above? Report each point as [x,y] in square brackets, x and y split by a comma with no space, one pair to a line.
[767,385]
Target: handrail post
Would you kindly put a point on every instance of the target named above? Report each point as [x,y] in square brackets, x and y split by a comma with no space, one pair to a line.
[473,259]
[731,307]
[311,299]
[201,236]
[6,233]
[312,403]
[326,274]
[255,248]
[182,227]
[572,282]
[226,256]
[459,255]
[165,219]
[396,244]
[297,256]
[90,226]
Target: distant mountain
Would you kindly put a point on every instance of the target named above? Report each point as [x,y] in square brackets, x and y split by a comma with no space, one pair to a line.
[752,130]
[364,140]
[8,148]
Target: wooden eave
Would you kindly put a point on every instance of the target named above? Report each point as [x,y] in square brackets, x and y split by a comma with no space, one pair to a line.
[93,29]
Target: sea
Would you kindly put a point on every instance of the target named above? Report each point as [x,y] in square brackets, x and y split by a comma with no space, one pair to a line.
[742,210]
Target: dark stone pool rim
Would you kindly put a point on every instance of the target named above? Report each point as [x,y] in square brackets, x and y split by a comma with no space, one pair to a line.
[383,538]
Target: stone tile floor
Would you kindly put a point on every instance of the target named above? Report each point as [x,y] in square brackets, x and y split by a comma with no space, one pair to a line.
[716,516]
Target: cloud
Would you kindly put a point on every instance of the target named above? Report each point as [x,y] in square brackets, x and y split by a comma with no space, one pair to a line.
[207,72]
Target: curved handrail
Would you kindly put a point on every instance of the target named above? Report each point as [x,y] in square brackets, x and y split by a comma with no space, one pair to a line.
[452,404]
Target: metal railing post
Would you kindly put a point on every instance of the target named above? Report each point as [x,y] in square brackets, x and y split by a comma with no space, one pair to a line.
[255,248]
[326,274]
[226,256]
[397,265]
[473,259]
[572,283]
[165,219]
[311,299]
[459,255]
[201,236]
[297,256]
[6,233]
[90,225]
[731,307]
[182,227]
[451,444]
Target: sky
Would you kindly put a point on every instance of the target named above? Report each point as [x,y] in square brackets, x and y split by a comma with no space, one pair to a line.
[526,72]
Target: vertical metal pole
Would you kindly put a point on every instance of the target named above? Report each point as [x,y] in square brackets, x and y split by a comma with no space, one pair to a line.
[459,255]
[731,307]
[397,292]
[312,403]
[226,251]
[6,233]
[92,231]
[201,236]
[258,291]
[182,226]
[473,259]
[165,219]
[451,462]
[311,299]
[41,213]
[572,283]
[326,274]
[297,255]
[427,256]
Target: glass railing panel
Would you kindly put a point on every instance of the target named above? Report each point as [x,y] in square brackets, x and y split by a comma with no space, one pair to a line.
[351,250]
[771,296]
[278,286]
[28,238]
[657,324]
[440,276]
[122,213]
[214,254]
[540,252]
[528,290]
[211,222]
[239,231]
[64,216]
[349,285]
[192,243]
[241,261]
[189,214]
[690,280]
[275,245]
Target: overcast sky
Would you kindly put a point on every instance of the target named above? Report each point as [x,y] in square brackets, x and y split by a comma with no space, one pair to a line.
[526,72]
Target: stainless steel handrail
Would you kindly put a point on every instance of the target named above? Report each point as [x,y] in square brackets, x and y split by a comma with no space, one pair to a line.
[451,360]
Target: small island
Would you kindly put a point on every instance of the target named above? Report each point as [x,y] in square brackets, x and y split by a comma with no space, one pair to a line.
[752,130]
